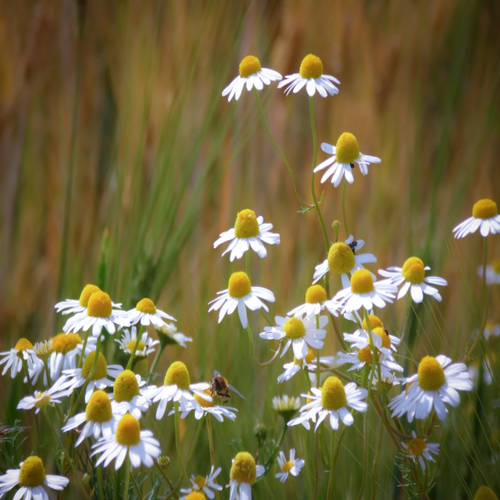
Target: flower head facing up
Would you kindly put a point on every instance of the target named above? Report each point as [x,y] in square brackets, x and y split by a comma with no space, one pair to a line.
[418,449]
[430,374]
[145,344]
[244,469]
[484,217]
[315,302]
[292,466]
[246,225]
[340,258]
[177,374]
[333,395]
[87,291]
[32,472]
[65,342]
[101,370]
[311,67]
[128,432]
[146,313]
[99,408]
[13,360]
[203,485]
[249,65]
[375,322]
[126,386]
[99,305]
[347,148]
[239,285]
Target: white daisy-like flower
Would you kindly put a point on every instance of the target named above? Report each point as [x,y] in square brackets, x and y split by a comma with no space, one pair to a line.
[240,294]
[342,259]
[484,217]
[168,336]
[249,231]
[365,292]
[206,485]
[178,388]
[252,75]
[205,407]
[244,472]
[386,343]
[98,417]
[298,333]
[331,401]
[341,164]
[286,406]
[41,399]
[98,315]
[436,383]
[308,363]
[73,306]
[13,359]
[492,330]
[311,77]
[412,274]
[42,350]
[31,478]
[146,345]
[292,466]
[127,440]
[418,449]
[315,302]
[492,272]
[147,314]
[128,397]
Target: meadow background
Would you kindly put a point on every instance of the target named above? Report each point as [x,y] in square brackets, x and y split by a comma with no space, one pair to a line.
[121,164]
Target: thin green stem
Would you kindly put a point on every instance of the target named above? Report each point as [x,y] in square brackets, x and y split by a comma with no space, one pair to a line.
[318,358]
[211,447]
[136,486]
[375,459]
[276,450]
[250,338]
[343,209]
[127,478]
[178,442]
[365,461]
[132,356]
[100,488]
[164,474]
[155,361]
[331,486]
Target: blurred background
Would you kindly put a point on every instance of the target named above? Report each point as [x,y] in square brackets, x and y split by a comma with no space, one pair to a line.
[120,164]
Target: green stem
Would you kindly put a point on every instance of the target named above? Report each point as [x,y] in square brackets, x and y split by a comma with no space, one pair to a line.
[178,442]
[318,362]
[127,478]
[136,486]
[250,338]
[375,459]
[99,482]
[331,486]
[273,456]
[163,473]
[132,356]
[211,446]
[343,209]
[365,454]
[155,361]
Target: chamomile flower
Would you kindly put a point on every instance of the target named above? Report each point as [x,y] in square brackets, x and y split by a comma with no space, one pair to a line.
[127,396]
[70,306]
[386,343]
[418,449]
[206,484]
[412,274]
[168,336]
[332,401]
[98,417]
[292,466]
[485,493]
[436,383]
[492,272]
[145,345]
[41,399]
[22,352]
[252,75]
[298,333]
[311,77]
[147,313]
[309,363]
[249,231]
[205,407]
[343,259]
[484,217]
[31,478]
[178,388]
[43,351]
[314,304]
[243,474]
[240,294]
[365,292]
[286,406]
[127,440]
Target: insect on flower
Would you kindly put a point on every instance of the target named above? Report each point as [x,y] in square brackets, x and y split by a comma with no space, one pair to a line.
[221,387]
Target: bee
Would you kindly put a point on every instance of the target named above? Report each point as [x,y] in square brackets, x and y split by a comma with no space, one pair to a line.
[221,387]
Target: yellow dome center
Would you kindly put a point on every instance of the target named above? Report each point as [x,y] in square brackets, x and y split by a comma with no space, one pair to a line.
[413,271]
[496,265]
[23,344]
[99,305]
[386,341]
[128,432]
[65,342]
[32,472]
[131,345]
[243,469]
[315,294]
[340,258]
[333,394]
[287,466]
[416,447]
[87,291]
[146,306]
[375,322]
[311,67]
[484,209]
[178,375]
[485,493]
[294,328]
[246,225]
[310,356]
[204,402]
[362,282]
[365,355]
[41,400]
[239,285]
[249,66]
[200,481]
[347,149]
[99,408]
[101,370]
[125,386]
[430,374]
[196,495]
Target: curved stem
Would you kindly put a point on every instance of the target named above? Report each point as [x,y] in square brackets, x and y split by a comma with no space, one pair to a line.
[136,486]
[343,209]
[163,473]
[178,442]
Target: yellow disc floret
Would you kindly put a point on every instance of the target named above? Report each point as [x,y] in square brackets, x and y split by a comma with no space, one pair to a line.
[99,408]
[23,344]
[32,472]
[41,400]
[311,67]
[413,271]
[239,285]
[430,374]
[386,341]
[294,328]
[485,493]
[310,356]
[362,282]
[131,345]
[287,466]
[125,386]
[315,294]
[246,225]
[178,375]
[496,266]
[249,66]
[333,394]
[196,495]
[340,258]
[484,209]
[99,305]
[87,291]
[243,469]
[204,402]
[375,322]
[347,149]
[101,370]
[146,306]
[416,447]
[365,355]
[200,481]
[128,431]
[65,342]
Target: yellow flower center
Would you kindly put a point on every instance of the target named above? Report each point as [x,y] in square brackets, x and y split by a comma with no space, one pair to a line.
[333,394]
[362,282]
[146,306]
[204,402]
[128,431]
[485,493]
[416,447]
[243,469]
[99,408]
[87,291]
[23,344]
[430,374]
[246,225]
[294,328]
[249,66]
[178,375]
[41,400]
[340,258]
[347,149]
[131,345]
[310,356]
[32,472]
[484,209]
[311,67]
[375,322]
[413,271]
[496,265]
[239,285]
[101,370]
[99,305]
[386,341]
[65,342]
[200,481]
[365,355]
[125,386]
[196,495]
[315,294]
[287,466]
